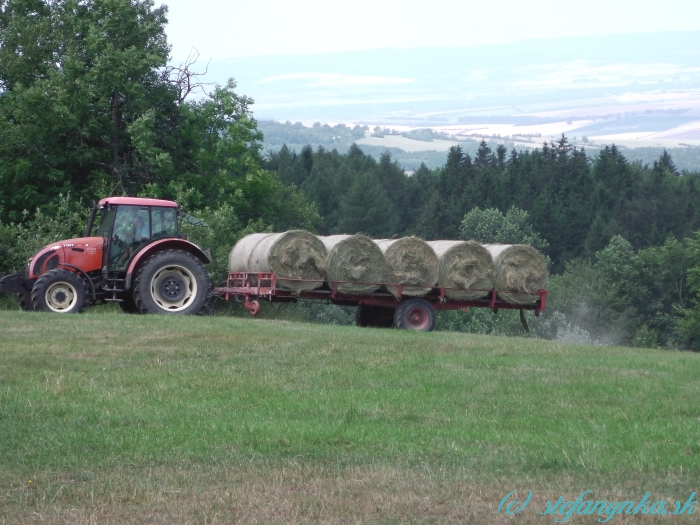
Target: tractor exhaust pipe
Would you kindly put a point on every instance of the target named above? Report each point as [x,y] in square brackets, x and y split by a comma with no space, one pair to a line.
[91,220]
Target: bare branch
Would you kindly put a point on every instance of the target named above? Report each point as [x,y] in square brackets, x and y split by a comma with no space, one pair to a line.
[184,79]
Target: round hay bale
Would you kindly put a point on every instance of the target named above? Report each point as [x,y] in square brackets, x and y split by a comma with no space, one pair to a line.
[466,265]
[354,259]
[412,263]
[295,254]
[519,270]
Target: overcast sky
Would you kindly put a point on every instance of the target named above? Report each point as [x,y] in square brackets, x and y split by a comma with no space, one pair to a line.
[225,28]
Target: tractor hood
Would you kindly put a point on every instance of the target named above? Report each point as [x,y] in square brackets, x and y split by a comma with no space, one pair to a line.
[83,252]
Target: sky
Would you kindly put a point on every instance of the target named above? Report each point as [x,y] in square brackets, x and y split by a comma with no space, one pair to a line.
[223,28]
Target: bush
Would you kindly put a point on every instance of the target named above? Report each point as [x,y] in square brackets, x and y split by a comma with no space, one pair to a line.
[18,242]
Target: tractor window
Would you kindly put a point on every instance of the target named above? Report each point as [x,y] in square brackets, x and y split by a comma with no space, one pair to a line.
[132,229]
[164,222]
[106,222]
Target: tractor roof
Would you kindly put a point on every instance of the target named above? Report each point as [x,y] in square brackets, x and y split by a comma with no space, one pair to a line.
[137,201]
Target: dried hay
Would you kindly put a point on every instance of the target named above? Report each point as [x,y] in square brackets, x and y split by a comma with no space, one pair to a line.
[519,270]
[412,263]
[295,254]
[466,265]
[357,259]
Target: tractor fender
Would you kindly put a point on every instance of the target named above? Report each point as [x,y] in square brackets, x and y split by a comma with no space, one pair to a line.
[159,246]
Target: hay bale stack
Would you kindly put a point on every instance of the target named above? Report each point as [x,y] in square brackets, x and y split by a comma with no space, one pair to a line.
[412,263]
[295,254]
[354,258]
[519,270]
[466,265]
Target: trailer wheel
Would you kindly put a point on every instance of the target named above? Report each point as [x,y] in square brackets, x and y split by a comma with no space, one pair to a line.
[362,316]
[172,282]
[374,316]
[415,314]
[60,291]
[24,300]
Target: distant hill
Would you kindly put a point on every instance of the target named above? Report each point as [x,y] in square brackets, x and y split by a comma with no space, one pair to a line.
[430,86]
[341,137]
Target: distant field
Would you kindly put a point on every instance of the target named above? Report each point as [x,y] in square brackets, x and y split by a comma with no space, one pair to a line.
[406,144]
[110,418]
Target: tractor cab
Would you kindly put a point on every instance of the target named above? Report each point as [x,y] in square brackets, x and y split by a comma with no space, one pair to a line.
[129,224]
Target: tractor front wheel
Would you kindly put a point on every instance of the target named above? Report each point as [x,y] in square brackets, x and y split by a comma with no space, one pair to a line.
[60,291]
[172,282]
[24,300]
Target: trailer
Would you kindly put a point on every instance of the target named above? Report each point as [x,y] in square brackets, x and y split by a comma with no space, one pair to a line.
[379,309]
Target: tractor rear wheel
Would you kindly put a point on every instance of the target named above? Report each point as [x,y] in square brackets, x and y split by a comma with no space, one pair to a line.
[415,314]
[172,282]
[127,305]
[60,291]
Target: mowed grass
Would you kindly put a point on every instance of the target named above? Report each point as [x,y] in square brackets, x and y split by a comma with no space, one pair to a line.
[111,418]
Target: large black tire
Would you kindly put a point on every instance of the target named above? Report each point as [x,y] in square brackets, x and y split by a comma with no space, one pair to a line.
[374,316]
[60,291]
[127,305]
[172,282]
[415,314]
[24,300]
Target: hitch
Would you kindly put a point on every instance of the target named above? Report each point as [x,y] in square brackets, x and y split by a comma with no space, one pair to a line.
[252,306]
[14,283]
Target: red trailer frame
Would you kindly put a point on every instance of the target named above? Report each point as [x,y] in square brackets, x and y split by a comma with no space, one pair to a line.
[263,285]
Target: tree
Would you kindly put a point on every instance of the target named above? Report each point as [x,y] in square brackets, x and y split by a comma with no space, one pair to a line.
[689,326]
[491,226]
[665,162]
[443,211]
[365,208]
[84,99]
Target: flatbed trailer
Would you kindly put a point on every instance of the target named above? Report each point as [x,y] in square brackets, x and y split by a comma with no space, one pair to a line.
[379,309]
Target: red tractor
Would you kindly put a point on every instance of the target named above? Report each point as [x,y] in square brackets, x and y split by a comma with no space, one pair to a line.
[136,258]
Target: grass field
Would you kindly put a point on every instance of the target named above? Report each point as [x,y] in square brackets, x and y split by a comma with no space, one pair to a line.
[110,418]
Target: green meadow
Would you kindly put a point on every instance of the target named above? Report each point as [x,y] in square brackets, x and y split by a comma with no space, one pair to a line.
[113,418]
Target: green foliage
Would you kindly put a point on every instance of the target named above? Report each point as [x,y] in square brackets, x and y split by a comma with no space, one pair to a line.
[84,101]
[353,193]
[66,219]
[223,230]
[338,136]
[365,207]
[576,303]
[493,227]
[92,108]
[689,326]
[625,297]
[481,321]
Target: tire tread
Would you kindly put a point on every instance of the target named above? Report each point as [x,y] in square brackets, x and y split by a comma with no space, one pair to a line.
[406,306]
[141,286]
[50,277]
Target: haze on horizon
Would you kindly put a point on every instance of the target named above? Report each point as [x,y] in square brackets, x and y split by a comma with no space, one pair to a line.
[219,29]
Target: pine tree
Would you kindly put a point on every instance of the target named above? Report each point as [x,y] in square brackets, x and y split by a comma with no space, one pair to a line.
[365,208]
